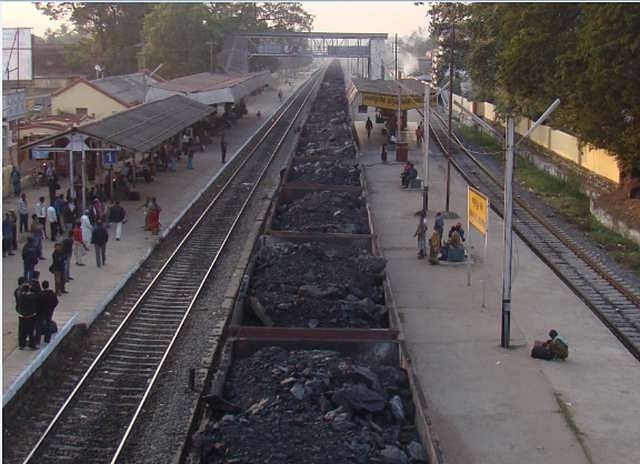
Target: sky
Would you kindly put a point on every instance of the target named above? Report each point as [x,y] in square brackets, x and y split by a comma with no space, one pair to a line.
[399,17]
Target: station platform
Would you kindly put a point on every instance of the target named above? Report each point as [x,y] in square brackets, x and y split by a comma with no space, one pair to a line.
[488,404]
[93,287]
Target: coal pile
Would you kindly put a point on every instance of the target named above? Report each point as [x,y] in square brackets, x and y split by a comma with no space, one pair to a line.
[312,407]
[326,212]
[331,172]
[327,131]
[315,284]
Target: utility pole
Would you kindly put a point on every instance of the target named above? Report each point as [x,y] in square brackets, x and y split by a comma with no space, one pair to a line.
[426,118]
[508,219]
[449,145]
[210,43]
[508,237]
[396,56]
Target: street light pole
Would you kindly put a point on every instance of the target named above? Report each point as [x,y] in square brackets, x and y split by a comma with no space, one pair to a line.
[449,145]
[426,118]
[508,219]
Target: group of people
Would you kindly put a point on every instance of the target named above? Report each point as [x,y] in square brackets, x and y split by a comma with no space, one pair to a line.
[34,304]
[450,250]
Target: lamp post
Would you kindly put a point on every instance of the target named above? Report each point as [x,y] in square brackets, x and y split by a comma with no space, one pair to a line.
[508,215]
[449,145]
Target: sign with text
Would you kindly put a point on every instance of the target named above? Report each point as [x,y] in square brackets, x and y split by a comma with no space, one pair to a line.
[478,205]
[390,102]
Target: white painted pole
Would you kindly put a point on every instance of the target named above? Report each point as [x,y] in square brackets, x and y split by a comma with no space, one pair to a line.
[425,124]
[84,181]
[72,191]
[486,266]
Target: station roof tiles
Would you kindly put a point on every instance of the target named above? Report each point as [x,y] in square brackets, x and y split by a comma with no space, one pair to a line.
[205,81]
[130,88]
[145,126]
[382,87]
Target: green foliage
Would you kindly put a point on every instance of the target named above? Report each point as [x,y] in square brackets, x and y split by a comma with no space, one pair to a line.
[523,56]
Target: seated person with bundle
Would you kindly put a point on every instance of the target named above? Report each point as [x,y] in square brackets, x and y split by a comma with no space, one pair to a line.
[453,249]
[554,348]
[408,174]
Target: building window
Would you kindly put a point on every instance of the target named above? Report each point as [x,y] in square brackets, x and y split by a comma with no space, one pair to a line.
[82,111]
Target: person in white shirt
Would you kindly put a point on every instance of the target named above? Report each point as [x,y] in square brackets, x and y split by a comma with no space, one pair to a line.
[23,212]
[41,212]
[52,217]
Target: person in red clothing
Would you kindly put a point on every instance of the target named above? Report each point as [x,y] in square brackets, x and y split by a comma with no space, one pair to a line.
[153,217]
[78,245]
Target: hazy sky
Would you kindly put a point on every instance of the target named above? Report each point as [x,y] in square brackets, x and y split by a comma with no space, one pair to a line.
[392,17]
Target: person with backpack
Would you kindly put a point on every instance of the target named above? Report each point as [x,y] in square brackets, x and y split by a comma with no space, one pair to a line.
[26,307]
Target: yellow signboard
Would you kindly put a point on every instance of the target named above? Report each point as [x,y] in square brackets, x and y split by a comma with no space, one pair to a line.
[390,102]
[478,205]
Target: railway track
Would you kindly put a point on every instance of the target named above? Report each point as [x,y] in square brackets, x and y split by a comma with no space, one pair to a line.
[613,300]
[95,420]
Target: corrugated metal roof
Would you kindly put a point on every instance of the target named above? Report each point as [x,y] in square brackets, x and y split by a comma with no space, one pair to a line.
[208,81]
[129,88]
[407,86]
[145,126]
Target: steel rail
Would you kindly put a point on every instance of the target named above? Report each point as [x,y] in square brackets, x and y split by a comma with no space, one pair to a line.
[214,262]
[124,323]
[555,232]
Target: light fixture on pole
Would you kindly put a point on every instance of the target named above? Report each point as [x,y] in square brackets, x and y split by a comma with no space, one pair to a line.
[508,218]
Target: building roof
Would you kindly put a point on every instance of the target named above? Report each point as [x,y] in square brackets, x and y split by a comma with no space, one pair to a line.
[130,88]
[212,88]
[93,86]
[205,81]
[382,87]
[143,127]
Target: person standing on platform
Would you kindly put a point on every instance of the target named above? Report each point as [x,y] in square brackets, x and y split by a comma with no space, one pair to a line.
[7,236]
[153,217]
[99,238]
[223,148]
[67,249]
[434,248]
[280,95]
[383,154]
[189,159]
[78,244]
[37,234]
[15,181]
[421,233]
[23,212]
[438,225]
[26,306]
[57,268]
[41,212]
[47,302]
[369,126]
[52,217]
[87,229]
[117,216]
[52,182]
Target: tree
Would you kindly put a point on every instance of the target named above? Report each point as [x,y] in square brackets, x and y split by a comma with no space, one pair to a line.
[114,28]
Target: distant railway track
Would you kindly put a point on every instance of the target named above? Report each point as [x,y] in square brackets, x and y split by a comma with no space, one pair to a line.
[94,422]
[613,300]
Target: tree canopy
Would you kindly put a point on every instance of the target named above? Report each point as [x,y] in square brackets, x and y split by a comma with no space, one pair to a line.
[522,56]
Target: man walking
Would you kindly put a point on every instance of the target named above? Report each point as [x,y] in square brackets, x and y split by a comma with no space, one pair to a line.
[369,126]
[23,212]
[438,225]
[41,213]
[15,181]
[7,236]
[99,238]
[67,249]
[117,216]
[52,217]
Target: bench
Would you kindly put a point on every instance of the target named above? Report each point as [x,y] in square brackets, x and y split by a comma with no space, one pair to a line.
[415,183]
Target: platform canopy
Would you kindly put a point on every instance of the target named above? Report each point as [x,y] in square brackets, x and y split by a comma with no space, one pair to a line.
[384,94]
[143,127]
[211,88]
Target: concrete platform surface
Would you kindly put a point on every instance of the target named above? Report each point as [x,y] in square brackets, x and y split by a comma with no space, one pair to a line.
[93,287]
[488,404]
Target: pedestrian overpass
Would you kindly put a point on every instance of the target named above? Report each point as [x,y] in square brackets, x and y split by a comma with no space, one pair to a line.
[365,48]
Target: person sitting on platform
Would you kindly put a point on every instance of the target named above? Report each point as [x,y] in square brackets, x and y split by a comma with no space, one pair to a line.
[453,250]
[408,175]
[457,228]
[554,348]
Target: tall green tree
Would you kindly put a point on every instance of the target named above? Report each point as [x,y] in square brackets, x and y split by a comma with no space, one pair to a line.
[114,28]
